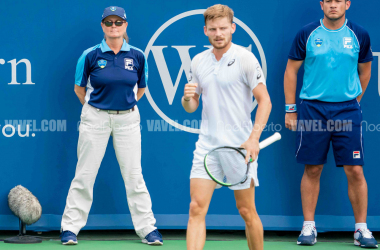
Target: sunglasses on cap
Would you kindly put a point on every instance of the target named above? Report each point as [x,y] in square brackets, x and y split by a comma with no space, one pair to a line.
[110,23]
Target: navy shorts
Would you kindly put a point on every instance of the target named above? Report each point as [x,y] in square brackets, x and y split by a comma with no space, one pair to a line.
[320,123]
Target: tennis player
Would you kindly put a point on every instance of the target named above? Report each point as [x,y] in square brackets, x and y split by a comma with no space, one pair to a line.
[337,59]
[115,75]
[227,76]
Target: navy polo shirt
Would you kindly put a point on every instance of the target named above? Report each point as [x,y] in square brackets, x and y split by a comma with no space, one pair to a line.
[112,80]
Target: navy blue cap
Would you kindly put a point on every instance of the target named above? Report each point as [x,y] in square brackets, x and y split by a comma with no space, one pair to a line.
[114,11]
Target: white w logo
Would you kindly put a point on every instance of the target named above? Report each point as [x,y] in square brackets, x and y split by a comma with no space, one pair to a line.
[163,70]
[183,51]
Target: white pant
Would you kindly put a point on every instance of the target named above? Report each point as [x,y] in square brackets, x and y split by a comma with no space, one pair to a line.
[95,129]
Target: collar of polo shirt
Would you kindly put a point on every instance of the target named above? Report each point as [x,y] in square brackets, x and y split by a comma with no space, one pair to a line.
[104,46]
[227,53]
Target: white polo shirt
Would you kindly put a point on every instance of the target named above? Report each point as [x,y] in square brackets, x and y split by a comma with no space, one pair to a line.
[226,90]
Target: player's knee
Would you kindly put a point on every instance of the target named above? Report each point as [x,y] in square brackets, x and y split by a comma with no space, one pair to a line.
[197,209]
[355,173]
[247,213]
[313,171]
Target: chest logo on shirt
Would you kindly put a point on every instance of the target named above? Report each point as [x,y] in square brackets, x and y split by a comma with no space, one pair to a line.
[128,63]
[347,43]
[318,42]
[102,63]
[231,62]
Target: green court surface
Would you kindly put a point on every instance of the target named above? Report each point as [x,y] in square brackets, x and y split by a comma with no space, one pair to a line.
[175,240]
[172,245]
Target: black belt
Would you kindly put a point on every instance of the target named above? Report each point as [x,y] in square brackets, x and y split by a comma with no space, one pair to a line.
[120,111]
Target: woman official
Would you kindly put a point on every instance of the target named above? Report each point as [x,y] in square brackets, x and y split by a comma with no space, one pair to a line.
[115,75]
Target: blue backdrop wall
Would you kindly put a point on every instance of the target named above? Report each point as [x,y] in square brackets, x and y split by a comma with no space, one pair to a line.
[41,43]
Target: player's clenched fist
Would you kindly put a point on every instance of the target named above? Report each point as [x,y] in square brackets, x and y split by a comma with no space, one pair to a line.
[189,91]
[291,121]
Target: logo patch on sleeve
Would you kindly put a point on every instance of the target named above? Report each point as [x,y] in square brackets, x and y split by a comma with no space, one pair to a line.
[259,71]
[128,63]
[190,76]
[102,63]
[356,154]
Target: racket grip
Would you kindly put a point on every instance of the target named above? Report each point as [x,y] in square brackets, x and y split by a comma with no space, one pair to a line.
[270,140]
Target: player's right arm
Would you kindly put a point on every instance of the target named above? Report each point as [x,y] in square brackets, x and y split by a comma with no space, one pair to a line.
[290,87]
[80,92]
[190,99]
[296,57]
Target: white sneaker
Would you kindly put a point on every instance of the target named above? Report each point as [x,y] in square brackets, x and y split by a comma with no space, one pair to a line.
[364,238]
[308,235]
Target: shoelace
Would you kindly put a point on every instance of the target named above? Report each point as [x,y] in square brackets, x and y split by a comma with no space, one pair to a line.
[67,232]
[366,233]
[307,230]
[155,233]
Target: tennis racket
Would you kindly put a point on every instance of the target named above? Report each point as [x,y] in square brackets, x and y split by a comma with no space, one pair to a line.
[232,161]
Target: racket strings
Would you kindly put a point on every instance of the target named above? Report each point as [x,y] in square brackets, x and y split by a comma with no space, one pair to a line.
[228,164]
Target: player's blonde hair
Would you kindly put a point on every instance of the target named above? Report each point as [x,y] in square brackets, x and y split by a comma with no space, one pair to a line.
[217,11]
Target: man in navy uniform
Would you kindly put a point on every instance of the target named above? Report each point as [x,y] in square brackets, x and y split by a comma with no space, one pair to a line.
[337,59]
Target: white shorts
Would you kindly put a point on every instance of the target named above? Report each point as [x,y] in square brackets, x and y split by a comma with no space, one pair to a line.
[198,171]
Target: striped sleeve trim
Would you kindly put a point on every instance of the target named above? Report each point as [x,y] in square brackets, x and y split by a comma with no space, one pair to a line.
[81,64]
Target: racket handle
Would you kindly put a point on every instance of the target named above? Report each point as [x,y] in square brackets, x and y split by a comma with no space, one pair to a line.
[270,140]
